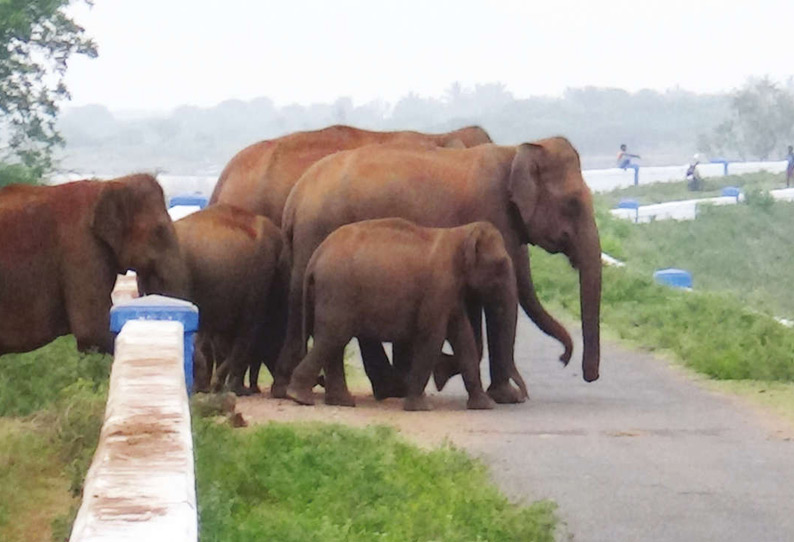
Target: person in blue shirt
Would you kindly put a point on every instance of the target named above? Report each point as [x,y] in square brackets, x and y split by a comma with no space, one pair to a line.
[789,165]
[624,157]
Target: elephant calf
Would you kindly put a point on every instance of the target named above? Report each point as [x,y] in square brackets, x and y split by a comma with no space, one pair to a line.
[391,280]
[232,259]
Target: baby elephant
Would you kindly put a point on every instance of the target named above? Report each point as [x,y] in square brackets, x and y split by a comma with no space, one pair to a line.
[232,259]
[391,280]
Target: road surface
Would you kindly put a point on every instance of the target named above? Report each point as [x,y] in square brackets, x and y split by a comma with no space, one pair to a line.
[644,453]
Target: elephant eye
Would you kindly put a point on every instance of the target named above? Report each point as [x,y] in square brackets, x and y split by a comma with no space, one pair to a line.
[571,208]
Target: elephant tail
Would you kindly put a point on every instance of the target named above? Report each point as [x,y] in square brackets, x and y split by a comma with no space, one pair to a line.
[308,311]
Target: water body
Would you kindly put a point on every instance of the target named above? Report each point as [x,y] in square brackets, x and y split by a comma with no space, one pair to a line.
[599,180]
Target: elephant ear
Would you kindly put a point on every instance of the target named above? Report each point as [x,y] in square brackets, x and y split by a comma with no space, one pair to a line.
[471,248]
[111,219]
[522,186]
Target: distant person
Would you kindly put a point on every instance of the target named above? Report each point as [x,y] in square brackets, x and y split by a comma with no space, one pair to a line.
[624,157]
[694,180]
[789,165]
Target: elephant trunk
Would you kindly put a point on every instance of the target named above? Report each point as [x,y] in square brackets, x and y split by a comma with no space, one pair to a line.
[501,313]
[589,252]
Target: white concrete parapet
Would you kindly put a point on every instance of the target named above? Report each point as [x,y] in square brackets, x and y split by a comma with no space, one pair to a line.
[141,484]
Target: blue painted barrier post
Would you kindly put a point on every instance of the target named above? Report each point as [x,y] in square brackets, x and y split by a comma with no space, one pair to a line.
[631,204]
[157,307]
[636,174]
[676,278]
[191,200]
[724,163]
[732,192]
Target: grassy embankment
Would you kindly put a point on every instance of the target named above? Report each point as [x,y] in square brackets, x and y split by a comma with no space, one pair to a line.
[282,481]
[51,409]
[740,258]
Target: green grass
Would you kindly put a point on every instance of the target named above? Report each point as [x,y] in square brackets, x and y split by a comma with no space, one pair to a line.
[32,488]
[331,483]
[32,381]
[53,403]
[712,186]
[745,250]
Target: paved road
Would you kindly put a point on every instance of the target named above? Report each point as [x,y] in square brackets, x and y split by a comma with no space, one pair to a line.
[642,454]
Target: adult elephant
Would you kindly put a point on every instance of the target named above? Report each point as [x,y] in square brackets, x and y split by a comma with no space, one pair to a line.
[259,178]
[62,249]
[232,258]
[533,193]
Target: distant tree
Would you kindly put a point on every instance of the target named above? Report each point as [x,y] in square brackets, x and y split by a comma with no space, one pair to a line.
[760,123]
[37,38]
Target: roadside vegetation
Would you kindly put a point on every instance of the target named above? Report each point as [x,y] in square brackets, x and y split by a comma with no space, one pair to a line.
[739,257]
[52,404]
[322,482]
[646,194]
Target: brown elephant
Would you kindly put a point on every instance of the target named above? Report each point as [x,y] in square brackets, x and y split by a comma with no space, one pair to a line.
[62,249]
[232,258]
[391,280]
[259,178]
[533,193]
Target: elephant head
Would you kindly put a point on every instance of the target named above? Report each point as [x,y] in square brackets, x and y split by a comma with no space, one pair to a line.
[130,218]
[553,208]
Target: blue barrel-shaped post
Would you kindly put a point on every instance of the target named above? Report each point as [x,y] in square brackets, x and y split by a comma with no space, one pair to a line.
[731,192]
[157,307]
[677,278]
[636,174]
[188,200]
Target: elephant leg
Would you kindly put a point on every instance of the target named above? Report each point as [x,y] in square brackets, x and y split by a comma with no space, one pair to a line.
[336,390]
[461,338]
[529,301]
[403,356]
[425,350]
[450,365]
[379,371]
[290,355]
[201,364]
[323,353]
[238,361]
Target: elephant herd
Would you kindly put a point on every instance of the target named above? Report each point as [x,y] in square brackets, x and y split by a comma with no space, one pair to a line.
[399,237]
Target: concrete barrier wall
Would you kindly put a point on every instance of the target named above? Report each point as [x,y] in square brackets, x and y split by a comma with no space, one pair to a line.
[141,484]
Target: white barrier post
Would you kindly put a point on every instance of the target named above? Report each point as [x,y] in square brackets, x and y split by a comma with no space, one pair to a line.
[141,483]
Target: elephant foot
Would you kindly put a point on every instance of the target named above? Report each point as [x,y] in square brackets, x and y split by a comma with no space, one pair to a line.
[302,396]
[278,390]
[415,404]
[480,401]
[506,394]
[241,391]
[345,399]
[445,369]
[392,389]
[255,390]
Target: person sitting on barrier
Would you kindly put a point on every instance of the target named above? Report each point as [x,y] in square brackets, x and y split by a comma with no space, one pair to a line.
[789,165]
[694,180]
[624,157]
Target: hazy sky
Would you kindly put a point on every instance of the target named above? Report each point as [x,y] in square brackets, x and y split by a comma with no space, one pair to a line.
[157,54]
